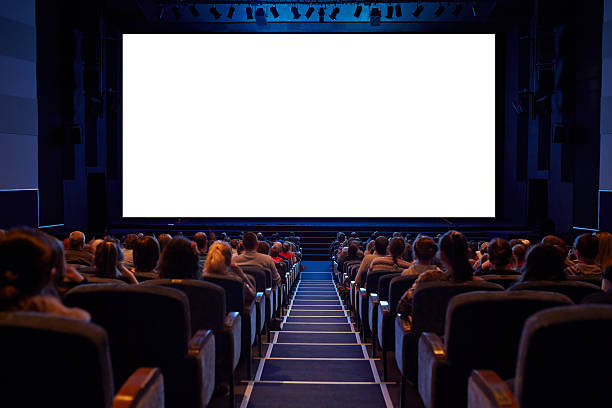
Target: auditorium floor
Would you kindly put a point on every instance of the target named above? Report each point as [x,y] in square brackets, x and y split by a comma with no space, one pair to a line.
[317,359]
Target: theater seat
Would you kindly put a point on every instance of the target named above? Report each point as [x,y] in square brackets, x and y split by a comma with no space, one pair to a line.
[429,302]
[263,284]
[234,300]
[504,280]
[373,300]
[575,290]
[564,360]
[387,310]
[150,326]
[483,331]
[52,361]
[207,306]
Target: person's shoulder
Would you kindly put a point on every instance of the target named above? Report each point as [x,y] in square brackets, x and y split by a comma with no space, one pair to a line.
[430,275]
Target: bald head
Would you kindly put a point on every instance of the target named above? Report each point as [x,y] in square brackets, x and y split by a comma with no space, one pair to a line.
[76,240]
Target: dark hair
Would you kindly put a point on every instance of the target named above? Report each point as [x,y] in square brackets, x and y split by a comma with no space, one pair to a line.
[106,259]
[557,243]
[380,245]
[234,243]
[286,246]
[519,251]
[500,252]
[587,246]
[454,247]
[130,240]
[260,237]
[163,241]
[25,266]
[543,262]
[178,260]
[340,237]
[275,251]
[201,240]
[250,241]
[352,250]
[396,248]
[263,247]
[425,248]
[146,254]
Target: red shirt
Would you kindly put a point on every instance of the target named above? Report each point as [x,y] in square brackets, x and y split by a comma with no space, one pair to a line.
[277,259]
[288,255]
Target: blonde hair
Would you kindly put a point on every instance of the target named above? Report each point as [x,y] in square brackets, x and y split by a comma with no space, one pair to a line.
[218,259]
[604,254]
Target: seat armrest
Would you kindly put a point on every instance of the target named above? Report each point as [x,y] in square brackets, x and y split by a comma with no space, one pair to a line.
[363,292]
[199,340]
[249,306]
[403,324]
[268,292]
[259,297]
[383,305]
[487,390]
[433,344]
[230,319]
[144,384]
[374,298]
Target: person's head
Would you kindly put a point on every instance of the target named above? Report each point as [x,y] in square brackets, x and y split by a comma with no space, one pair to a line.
[212,237]
[260,237]
[352,250]
[146,254]
[263,247]
[380,245]
[396,248]
[219,258]
[397,235]
[454,255]
[106,259]
[26,266]
[370,248]
[557,243]
[250,241]
[500,253]
[76,240]
[201,241]
[587,247]
[286,247]
[163,241]
[58,258]
[424,249]
[543,262]
[604,255]
[275,251]
[519,251]
[340,237]
[178,260]
[240,247]
[130,239]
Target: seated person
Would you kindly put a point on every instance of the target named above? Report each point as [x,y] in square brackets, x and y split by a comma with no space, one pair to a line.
[274,254]
[219,262]
[543,263]
[500,257]
[128,250]
[561,247]
[146,255]
[453,253]
[352,253]
[163,241]
[586,248]
[27,267]
[286,252]
[393,261]
[424,252]
[201,241]
[263,247]
[518,256]
[76,252]
[251,257]
[380,250]
[234,245]
[604,255]
[179,260]
[65,276]
[108,263]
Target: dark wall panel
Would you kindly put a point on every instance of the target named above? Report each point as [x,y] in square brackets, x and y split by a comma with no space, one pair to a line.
[18,208]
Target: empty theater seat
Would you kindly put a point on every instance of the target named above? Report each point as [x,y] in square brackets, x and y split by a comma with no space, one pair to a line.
[207,306]
[564,360]
[575,290]
[483,330]
[429,304]
[150,326]
[61,362]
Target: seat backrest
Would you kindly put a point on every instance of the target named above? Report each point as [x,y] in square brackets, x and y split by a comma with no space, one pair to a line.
[430,300]
[147,325]
[398,286]
[234,291]
[565,358]
[504,280]
[261,281]
[352,263]
[206,301]
[373,277]
[593,280]
[48,360]
[96,279]
[145,276]
[383,285]
[483,329]
[573,289]
[351,268]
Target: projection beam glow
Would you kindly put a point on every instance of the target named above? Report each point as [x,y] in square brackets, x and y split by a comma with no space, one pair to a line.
[309,125]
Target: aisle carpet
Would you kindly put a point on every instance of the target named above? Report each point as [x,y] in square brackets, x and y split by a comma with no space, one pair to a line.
[316,359]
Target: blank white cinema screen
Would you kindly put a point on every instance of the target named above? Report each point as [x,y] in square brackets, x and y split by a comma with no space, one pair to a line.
[308,125]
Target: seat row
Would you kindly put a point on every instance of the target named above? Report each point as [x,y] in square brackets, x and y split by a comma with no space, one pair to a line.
[161,342]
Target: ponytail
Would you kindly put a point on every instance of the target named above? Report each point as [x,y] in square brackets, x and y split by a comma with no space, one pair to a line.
[454,246]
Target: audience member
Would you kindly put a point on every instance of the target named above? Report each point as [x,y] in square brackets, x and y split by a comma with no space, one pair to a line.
[500,258]
[333,248]
[604,255]
[250,257]
[561,247]
[380,249]
[274,253]
[219,262]
[453,253]
[263,247]
[201,241]
[286,252]
[76,252]
[543,262]
[353,253]
[424,252]
[163,241]
[108,263]
[234,245]
[146,255]
[26,270]
[586,249]
[179,260]
[393,261]
[128,250]
[519,251]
